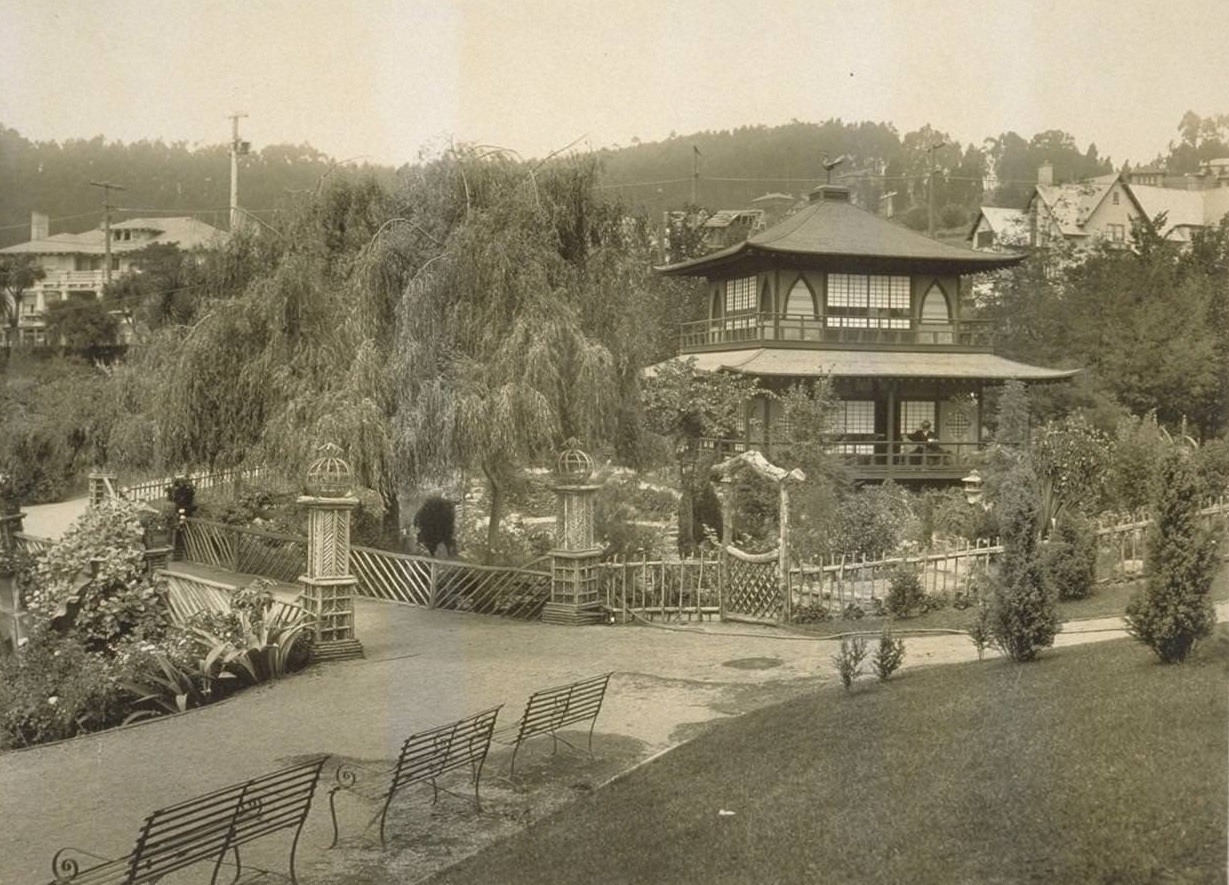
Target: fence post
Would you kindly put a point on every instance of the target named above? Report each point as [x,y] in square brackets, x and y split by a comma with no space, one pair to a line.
[432,585]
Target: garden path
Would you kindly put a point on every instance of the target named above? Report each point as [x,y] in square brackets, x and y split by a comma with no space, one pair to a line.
[422,668]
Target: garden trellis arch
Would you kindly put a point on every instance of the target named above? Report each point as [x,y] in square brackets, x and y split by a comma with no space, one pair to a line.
[755,586]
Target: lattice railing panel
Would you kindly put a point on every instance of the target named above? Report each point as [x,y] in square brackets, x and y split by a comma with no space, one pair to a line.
[209,543]
[280,557]
[391,576]
[513,593]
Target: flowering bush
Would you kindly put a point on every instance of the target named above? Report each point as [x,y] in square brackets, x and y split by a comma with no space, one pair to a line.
[93,579]
[55,689]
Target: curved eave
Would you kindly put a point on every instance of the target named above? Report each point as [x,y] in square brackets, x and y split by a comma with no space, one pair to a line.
[784,363]
[745,252]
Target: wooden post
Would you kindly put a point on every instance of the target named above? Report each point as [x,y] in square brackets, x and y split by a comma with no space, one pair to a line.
[783,555]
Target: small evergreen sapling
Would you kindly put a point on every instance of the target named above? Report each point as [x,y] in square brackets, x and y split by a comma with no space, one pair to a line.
[849,660]
[889,655]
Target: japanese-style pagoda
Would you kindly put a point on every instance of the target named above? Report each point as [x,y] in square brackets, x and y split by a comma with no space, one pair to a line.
[836,290]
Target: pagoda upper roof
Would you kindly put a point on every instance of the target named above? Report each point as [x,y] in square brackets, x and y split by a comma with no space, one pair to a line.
[830,227]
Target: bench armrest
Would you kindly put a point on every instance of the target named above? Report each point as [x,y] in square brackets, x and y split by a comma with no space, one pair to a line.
[66,868]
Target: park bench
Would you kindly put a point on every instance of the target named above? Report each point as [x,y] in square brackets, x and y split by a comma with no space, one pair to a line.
[205,830]
[552,709]
[424,758]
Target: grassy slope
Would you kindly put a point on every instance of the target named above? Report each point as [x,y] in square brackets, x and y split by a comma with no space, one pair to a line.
[1093,764]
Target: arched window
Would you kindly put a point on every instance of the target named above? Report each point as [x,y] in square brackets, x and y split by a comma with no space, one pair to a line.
[801,300]
[714,311]
[934,306]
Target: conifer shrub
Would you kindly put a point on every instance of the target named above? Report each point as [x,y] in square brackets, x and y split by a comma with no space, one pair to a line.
[889,655]
[849,660]
[1023,616]
[905,592]
[1174,609]
[1069,559]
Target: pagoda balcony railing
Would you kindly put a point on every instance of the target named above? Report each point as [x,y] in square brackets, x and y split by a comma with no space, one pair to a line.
[806,332]
[873,458]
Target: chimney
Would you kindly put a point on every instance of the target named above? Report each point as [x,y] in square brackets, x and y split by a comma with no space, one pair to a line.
[830,193]
[1045,173]
[40,226]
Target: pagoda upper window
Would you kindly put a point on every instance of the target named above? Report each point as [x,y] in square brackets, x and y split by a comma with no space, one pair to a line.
[934,306]
[740,295]
[868,301]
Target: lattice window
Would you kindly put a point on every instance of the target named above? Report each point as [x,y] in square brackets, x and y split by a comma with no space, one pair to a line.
[855,418]
[859,301]
[913,413]
[740,295]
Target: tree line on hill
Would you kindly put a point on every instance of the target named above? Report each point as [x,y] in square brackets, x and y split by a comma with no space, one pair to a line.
[734,167]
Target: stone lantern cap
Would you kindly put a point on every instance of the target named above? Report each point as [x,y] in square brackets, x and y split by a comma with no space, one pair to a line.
[329,476]
[574,465]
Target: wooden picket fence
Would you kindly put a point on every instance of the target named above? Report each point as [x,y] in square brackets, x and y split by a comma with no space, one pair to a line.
[155,489]
[691,589]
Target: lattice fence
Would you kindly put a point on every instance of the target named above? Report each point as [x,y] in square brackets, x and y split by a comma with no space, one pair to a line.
[752,589]
[396,577]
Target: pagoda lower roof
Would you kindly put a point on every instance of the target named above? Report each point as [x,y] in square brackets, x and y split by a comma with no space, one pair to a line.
[780,362]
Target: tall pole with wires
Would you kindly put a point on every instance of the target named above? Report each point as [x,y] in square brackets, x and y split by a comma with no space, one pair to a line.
[930,186]
[107,187]
[237,147]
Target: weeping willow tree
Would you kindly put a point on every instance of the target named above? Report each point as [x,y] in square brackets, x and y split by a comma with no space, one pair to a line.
[471,318]
[291,349]
[495,363]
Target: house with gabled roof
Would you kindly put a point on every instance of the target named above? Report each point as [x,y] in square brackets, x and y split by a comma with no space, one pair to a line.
[999,228]
[73,264]
[883,311]
[1081,213]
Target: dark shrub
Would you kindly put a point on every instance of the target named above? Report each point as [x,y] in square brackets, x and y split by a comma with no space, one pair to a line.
[436,525]
[905,592]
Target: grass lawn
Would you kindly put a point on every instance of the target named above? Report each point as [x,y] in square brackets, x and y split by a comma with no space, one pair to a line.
[1093,764]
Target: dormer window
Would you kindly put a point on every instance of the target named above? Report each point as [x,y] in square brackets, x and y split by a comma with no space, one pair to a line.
[862,301]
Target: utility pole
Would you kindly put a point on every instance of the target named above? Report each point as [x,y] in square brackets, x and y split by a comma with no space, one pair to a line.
[237,147]
[930,187]
[695,174]
[107,187]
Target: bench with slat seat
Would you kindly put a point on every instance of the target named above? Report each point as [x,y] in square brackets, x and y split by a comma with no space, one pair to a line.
[207,829]
[551,709]
[424,758]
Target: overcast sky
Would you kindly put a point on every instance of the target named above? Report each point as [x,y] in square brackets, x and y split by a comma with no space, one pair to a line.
[384,79]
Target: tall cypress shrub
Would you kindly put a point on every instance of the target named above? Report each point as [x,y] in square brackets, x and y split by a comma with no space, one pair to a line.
[1023,616]
[1174,609]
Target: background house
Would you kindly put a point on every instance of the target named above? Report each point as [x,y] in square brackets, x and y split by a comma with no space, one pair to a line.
[74,264]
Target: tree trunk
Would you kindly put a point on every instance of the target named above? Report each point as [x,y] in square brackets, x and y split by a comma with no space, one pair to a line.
[686,512]
[390,522]
[495,495]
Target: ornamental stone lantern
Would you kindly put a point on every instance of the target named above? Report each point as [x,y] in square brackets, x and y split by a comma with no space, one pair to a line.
[574,597]
[327,590]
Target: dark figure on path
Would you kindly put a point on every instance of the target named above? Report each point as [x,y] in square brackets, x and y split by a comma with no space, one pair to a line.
[435,523]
